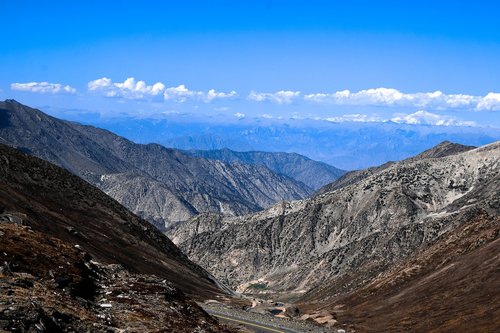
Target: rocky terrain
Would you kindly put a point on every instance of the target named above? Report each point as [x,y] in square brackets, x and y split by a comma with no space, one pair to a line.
[55,202]
[48,285]
[351,234]
[312,173]
[161,185]
[443,149]
[452,285]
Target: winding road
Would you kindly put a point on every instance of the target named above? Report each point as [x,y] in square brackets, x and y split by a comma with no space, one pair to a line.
[260,326]
[252,325]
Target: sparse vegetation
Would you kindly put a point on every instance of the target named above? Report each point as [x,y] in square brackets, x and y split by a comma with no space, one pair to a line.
[258,286]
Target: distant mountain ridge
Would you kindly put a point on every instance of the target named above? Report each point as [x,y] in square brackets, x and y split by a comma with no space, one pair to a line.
[312,173]
[162,185]
[346,145]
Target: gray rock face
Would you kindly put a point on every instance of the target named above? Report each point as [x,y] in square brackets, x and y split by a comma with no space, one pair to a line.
[160,184]
[353,232]
[443,149]
[312,173]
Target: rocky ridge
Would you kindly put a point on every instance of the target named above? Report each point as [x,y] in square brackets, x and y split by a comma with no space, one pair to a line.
[451,285]
[357,231]
[443,149]
[312,173]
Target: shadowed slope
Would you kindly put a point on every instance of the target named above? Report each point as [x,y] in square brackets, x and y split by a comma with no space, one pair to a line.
[54,201]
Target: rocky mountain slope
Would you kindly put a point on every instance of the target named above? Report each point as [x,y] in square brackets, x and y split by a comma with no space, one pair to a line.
[49,285]
[352,233]
[312,173]
[451,285]
[162,185]
[55,202]
[443,149]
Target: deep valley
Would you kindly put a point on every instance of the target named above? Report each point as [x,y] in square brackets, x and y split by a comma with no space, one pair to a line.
[98,233]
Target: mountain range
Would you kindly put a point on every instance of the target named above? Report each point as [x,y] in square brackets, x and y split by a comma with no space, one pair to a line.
[408,245]
[346,145]
[162,185]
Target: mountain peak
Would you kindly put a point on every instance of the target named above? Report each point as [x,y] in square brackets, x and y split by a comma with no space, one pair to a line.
[443,149]
[10,100]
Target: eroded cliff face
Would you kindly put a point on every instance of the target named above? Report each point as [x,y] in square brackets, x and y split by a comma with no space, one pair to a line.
[357,230]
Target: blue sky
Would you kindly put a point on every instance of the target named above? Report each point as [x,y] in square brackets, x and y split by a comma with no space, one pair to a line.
[428,62]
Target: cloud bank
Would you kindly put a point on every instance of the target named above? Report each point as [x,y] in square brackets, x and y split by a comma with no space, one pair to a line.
[393,97]
[43,88]
[427,118]
[489,102]
[417,118]
[357,118]
[139,90]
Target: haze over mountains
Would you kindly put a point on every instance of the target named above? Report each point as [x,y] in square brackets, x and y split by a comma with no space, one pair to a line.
[162,185]
[345,145]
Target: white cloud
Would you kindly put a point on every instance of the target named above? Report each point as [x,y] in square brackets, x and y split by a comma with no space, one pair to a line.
[279,97]
[490,102]
[43,87]
[393,97]
[129,89]
[181,94]
[132,89]
[212,94]
[239,115]
[428,118]
[98,84]
[269,116]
